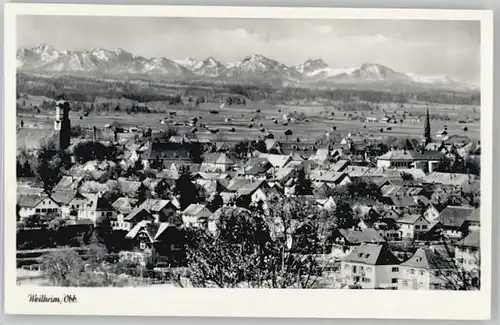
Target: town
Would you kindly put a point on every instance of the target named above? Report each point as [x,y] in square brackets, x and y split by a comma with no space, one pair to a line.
[120,205]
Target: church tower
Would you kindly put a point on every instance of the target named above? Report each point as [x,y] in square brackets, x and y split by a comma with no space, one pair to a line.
[427,128]
[65,132]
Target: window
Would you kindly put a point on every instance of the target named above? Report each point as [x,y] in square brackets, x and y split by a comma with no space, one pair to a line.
[37,210]
[424,226]
[142,245]
[368,269]
[394,280]
[361,268]
[460,260]
[417,227]
[405,283]
[421,272]
[367,280]
[412,271]
[395,269]
[346,266]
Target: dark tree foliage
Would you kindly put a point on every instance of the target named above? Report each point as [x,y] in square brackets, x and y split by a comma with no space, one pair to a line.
[304,185]
[51,165]
[344,216]
[87,151]
[186,188]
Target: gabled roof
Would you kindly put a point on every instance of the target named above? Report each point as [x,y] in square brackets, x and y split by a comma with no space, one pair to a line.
[256,166]
[156,205]
[127,186]
[167,150]
[270,143]
[398,190]
[276,160]
[219,158]
[411,155]
[411,219]
[68,183]
[150,228]
[137,212]
[454,216]
[402,201]
[30,200]
[429,259]
[361,236]
[123,205]
[326,176]
[195,209]
[473,239]
[97,203]
[339,165]
[63,197]
[475,216]
[372,254]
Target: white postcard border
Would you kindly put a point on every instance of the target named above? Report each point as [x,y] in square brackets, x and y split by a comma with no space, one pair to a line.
[252,302]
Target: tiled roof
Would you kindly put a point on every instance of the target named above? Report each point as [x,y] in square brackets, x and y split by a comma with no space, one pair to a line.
[372,254]
[361,236]
[454,216]
[429,259]
[473,239]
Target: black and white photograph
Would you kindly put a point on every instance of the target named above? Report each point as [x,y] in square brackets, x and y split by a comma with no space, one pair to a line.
[249,153]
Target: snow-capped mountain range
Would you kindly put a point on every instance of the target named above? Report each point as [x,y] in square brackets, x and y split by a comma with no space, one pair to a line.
[254,68]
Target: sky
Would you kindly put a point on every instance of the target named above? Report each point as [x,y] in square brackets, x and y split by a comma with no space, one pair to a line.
[414,46]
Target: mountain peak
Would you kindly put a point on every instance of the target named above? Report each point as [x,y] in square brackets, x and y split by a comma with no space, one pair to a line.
[44,48]
[316,62]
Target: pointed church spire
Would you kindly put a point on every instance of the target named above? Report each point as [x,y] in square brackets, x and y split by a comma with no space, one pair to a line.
[427,128]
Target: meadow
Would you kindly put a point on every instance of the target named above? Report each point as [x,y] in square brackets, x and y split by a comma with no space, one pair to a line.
[306,121]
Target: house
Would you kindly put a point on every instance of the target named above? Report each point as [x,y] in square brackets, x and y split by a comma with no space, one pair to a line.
[452,218]
[413,226]
[92,206]
[272,146]
[277,161]
[340,165]
[468,256]
[217,161]
[326,204]
[143,236]
[345,240]
[427,160]
[163,210]
[31,204]
[64,198]
[68,183]
[158,152]
[124,205]
[195,215]
[256,168]
[472,222]
[332,179]
[321,156]
[427,269]
[370,266]
[432,212]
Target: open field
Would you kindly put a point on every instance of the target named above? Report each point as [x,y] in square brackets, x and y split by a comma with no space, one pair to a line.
[317,120]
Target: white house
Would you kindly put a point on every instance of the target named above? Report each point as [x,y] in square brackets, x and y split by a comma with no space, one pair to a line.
[413,226]
[427,269]
[467,254]
[370,266]
[36,203]
[195,215]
